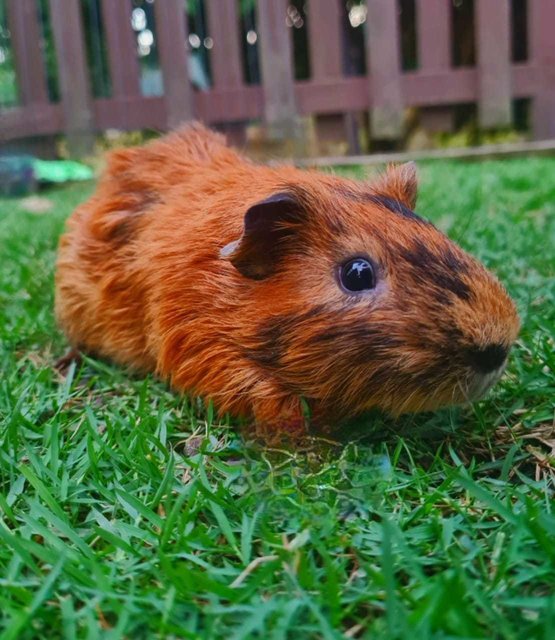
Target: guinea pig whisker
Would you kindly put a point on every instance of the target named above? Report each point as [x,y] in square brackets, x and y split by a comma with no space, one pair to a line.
[408,400]
[438,389]
[465,390]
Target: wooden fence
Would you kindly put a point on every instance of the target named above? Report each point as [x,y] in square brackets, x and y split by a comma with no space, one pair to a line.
[385,91]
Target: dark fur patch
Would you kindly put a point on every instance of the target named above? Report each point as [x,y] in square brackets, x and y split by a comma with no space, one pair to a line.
[272,337]
[346,192]
[391,204]
[123,232]
[396,206]
[452,283]
[269,343]
[429,378]
[451,344]
[361,343]
[442,297]
[443,270]
[454,262]
[337,226]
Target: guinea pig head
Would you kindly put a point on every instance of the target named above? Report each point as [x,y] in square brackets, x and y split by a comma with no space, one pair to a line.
[356,302]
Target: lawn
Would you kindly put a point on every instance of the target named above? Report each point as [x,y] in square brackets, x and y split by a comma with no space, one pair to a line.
[130,512]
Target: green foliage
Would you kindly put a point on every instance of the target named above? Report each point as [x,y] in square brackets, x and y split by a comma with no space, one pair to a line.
[130,512]
[245,6]
[49,50]
[8,82]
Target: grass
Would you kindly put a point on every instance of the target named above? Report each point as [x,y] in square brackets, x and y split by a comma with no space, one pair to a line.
[128,512]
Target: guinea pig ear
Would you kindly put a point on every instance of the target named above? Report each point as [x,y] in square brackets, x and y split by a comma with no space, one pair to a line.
[268,225]
[400,182]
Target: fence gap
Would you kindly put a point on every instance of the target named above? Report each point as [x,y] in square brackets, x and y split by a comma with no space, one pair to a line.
[48,48]
[143,23]
[200,45]
[354,16]
[463,31]
[249,39]
[9,89]
[122,49]
[520,32]
[325,30]
[409,37]
[95,48]
[296,21]
[26,46]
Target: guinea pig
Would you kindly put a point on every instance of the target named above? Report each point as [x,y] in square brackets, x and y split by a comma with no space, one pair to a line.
[267,289]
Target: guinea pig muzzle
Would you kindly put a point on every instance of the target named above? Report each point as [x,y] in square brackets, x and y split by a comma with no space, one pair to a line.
[480,382]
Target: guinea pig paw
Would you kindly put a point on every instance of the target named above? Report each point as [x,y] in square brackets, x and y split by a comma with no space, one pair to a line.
[285,429]
[279,430]
[71,355]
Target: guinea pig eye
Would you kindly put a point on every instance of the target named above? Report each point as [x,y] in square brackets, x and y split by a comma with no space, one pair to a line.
[357,275]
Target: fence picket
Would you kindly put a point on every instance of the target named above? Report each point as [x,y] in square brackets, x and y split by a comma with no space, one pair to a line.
[433,32]
[171,33]
[542,20]
[73,74]
[329,95]
[277,69]
[384,63]
[225,55]
[324,39]
[434,35]
[493,40]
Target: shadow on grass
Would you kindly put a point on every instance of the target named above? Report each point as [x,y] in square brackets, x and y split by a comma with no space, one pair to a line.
[482,436]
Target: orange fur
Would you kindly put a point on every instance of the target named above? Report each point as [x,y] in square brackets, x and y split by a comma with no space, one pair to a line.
[142,279]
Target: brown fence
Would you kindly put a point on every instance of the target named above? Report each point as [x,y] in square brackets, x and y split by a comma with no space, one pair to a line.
[385,91]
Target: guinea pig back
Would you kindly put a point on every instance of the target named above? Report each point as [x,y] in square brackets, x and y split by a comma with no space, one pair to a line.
[257,287]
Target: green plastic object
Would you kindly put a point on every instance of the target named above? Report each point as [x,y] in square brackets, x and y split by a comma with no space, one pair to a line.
[61,171]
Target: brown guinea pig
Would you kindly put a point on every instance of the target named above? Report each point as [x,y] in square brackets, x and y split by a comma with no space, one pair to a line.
[258,287]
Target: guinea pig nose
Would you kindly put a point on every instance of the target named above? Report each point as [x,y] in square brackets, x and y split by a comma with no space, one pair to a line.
[487,359]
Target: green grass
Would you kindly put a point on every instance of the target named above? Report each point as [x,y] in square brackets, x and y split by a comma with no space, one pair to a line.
[130,512]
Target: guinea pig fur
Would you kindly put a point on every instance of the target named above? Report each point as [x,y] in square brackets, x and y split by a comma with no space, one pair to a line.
[257,287]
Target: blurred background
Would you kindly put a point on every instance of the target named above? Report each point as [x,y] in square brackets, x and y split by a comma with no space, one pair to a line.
[280,77]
